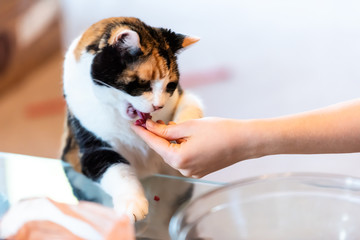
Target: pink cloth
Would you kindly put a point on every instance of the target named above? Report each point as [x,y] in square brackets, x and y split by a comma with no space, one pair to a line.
[42,218]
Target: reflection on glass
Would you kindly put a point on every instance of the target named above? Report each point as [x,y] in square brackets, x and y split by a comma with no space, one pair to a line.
[24,177]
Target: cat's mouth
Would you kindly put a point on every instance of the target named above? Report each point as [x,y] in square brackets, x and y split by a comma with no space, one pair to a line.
[133,113]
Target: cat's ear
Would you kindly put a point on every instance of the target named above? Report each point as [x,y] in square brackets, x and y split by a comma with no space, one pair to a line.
[127,41]
[188,40]
[178,41]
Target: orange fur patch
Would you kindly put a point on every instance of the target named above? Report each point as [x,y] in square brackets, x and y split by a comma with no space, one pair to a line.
[96,33]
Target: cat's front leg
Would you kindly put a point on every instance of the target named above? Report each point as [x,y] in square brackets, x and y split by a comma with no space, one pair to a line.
[188,107]
[119,180]
[127,193]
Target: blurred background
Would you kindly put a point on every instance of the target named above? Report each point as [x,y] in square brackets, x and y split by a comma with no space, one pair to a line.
[256,59]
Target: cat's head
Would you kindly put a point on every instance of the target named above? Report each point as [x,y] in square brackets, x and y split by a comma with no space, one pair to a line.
[133,63]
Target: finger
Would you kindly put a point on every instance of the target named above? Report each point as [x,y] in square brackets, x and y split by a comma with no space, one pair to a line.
[196,176]
[160,121]
[169,132]
[159,144]
[185,173]
[180,140]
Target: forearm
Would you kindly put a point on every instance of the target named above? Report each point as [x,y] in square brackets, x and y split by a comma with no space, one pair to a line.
[335,129]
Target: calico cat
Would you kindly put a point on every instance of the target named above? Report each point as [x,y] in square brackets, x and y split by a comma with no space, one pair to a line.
[117,72]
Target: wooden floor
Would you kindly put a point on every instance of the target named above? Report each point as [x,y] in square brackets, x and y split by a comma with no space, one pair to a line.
[32,112]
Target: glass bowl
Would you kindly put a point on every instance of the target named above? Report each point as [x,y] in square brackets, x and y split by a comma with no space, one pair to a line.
[282,206]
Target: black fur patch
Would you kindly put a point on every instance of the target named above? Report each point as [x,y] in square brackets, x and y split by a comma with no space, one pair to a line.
[95,162]
[97,155]
[164,54]
[137,87]
[175,40]
[108,65]
[93,47]
[85,138]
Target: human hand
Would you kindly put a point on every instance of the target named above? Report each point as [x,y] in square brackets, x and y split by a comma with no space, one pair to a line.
[209,144]
[203,145]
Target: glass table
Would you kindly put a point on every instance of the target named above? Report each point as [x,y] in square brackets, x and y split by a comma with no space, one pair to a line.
[24,177]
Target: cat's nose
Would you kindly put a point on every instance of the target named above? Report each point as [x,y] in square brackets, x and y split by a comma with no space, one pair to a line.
[157,107]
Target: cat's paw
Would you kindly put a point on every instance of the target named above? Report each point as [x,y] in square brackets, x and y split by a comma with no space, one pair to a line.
[135,206]
[188,114]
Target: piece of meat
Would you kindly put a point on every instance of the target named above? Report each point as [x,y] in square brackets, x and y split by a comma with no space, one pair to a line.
[143,117]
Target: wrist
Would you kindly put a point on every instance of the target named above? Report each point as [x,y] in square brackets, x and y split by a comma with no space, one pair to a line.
[264,137]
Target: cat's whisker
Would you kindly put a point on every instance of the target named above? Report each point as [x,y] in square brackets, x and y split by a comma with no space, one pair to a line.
[101,82]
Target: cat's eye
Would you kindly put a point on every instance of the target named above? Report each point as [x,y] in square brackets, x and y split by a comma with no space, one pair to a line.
[171,86]
[137,87]
[142,81]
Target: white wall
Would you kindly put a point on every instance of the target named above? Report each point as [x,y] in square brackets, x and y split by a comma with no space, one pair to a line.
[284,56]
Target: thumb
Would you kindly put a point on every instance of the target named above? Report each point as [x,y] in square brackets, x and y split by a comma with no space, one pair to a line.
[169,132]
[160,145]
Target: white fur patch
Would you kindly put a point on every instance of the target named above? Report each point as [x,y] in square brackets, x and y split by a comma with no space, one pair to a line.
[160,95]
